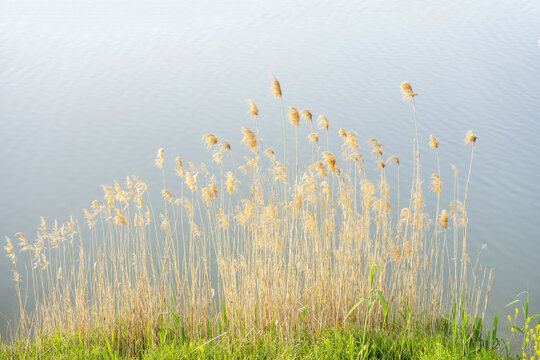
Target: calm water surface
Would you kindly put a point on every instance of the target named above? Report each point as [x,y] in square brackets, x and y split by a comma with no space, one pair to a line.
[89,90]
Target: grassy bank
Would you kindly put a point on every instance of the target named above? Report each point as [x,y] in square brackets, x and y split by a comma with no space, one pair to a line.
[274,256]
[337,343]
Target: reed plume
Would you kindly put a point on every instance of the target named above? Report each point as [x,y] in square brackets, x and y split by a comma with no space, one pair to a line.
[323,125]
[470,138]
[253,110]
[436,184]
[276,87]
[249,139]
[313,138]
[433,142]
[444,219]
[307,116]
[10,250]
[407,91]
[294,117]
[210,140]
[159,159]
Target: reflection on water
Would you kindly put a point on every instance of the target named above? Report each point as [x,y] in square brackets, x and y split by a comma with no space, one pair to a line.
[90,90]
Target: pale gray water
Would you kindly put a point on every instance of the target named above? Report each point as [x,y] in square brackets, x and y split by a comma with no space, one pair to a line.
[89,90]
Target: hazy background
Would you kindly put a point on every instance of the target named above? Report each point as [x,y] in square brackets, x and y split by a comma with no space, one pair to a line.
[89,90]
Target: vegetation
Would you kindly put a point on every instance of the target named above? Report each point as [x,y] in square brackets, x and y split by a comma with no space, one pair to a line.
[528,333]
[342,343]
[276,257]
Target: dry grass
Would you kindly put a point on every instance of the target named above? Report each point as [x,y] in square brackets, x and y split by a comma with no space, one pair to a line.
[278,250]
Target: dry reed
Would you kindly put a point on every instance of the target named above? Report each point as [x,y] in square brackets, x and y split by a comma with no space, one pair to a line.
[225,253]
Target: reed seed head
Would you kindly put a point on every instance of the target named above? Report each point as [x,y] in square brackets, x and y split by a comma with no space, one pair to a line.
[253,110]
[275,87]
[210,140]
[433,142]
[375,143]
[408,248]
[323,122]
[306,115]
[330,160]
[159,158]
[249,138]
[119,218]
[350,139]
[244,169]
[43,226]
[320,168]
[10,250]
[392,159]
[167,195]
[470,137]
[89,218]
[294,116]
[23,242]
[207,195]
[377,147]
[230,182]
[444,219]
[270,154]
[130,185]
[225,145]
[191,181]
[407,91]
[313,138]
[252,163]
[436,184]
[280,173]
[356,156]
[213,190]
[217,157]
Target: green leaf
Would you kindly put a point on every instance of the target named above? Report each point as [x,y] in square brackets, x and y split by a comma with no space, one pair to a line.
[370,306]
[527,307]
[513,302]
[111,353]
[354,308]
[371,275]
[516,328]
[495,326]
[383,301]
[175,317]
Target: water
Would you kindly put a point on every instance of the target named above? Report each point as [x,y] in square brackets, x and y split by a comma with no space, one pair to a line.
[89,90]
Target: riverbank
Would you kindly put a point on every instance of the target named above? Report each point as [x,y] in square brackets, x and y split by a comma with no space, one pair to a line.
[336,343]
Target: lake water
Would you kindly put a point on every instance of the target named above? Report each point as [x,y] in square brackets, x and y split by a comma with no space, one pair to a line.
[89,90]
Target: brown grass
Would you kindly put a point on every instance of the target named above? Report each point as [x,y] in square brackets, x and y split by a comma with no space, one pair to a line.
[255,253]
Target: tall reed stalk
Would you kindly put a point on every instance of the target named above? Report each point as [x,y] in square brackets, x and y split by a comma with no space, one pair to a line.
[230,252]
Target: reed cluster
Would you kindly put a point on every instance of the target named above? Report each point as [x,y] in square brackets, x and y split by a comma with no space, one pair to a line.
[270,245]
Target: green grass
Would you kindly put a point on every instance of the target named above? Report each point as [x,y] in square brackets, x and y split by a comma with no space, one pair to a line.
[336,343]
